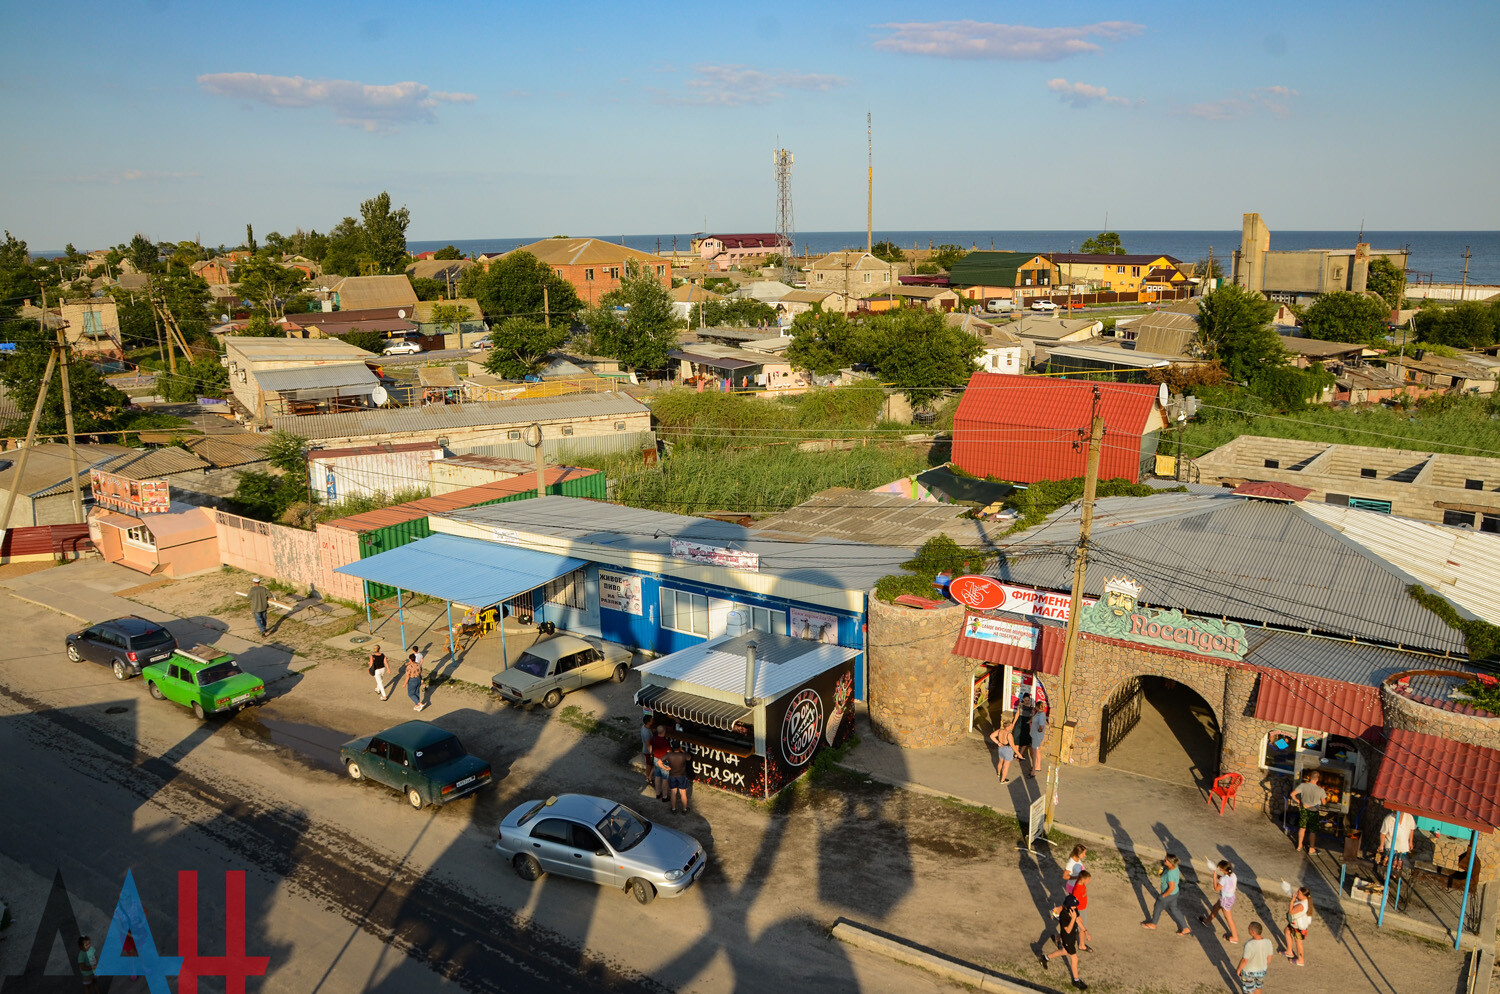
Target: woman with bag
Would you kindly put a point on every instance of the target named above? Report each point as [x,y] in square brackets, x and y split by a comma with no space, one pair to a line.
[1298,920]
[377,670]
[1226,885]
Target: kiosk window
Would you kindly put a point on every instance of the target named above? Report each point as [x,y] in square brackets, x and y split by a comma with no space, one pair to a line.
[765,620]
[684,612]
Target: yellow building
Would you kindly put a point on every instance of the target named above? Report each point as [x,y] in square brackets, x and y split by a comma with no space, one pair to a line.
[1120,273]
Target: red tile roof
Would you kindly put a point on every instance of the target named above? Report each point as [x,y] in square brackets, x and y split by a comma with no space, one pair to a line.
[455,501]
[747,241]
[1439,778]
[1046,657]
[1331,706]
[1027,428]
[1268,490]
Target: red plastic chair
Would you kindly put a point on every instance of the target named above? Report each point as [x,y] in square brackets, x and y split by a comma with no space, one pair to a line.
[1224,788]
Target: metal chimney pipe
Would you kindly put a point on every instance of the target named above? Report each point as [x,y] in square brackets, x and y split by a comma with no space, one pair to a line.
[750,675]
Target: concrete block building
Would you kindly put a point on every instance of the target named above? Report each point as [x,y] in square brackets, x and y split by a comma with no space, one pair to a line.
[1299,277]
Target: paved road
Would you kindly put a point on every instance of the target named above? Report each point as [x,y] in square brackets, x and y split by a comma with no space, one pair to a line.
[348,889]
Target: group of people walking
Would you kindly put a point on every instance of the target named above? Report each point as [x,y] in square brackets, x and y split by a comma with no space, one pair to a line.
[411,672]
[1021,733]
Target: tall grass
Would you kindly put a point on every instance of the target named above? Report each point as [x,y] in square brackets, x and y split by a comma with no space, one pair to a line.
[756,481]
[1440,424]
[721,420]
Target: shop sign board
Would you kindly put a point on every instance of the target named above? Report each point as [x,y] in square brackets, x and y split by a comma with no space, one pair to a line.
[1014,633]
[621,592]
[815,626]
[135,496]
[985,593]
[1118,616]
[715,555]
[722,769]
[817,715]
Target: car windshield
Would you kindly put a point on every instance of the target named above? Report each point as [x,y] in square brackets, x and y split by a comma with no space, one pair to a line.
[535,665]
[150,640]
[440,752]
[218,672]
[622,828]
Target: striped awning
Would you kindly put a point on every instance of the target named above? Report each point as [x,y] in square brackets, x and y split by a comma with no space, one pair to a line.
[691,707]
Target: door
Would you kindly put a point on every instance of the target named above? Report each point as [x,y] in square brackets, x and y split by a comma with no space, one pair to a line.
[178,686]
[570,669]
[591,858]
[398,767]
[1121,713]
[595,667]
[552,845]
[90,645]
[375,763]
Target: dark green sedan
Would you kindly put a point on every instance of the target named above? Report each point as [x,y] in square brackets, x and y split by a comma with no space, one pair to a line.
[419,759]
[203,678]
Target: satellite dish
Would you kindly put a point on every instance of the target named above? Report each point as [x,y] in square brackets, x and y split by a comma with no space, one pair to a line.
[224,318]
[379,395]
[1163,396]
[401,314]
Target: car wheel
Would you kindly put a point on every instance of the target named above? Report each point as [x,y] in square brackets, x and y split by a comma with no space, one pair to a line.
[121,673]
[355,773]
[553,698]
[155,691]
[526,866]
[414,798]
[198,711]
[621,672]
[73,653]
[642,890]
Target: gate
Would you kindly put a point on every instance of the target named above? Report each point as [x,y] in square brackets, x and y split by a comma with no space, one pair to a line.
[1121,712]
[521,609]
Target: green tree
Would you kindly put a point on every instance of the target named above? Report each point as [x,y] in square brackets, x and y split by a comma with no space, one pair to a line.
[428,289]
[512,286]
[922,355]
[646,332]
[385,233]
[1388,281]
[185,295]
[143,255]
[826,342]
[1347,317]
[451,316]
[204,376]
[887,252]
[370,341]
[286,451]
[740,312]
[250,239]
[1104,243]
[1290,388]
[1209,268]
[96,405]
[944,256]
[521,346]
[260,326]
[345,248]
[1466,325]
[268,284]
[447,252]
[1235,328]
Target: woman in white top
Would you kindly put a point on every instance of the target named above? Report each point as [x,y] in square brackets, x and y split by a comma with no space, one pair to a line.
[1074,867]
[1227,886]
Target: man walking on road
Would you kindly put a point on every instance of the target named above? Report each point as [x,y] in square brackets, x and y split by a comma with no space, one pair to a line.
[1255,962]
[1309,797]
[260,603]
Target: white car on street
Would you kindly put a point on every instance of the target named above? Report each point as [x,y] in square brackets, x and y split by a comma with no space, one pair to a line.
[1043,305]
[402,348]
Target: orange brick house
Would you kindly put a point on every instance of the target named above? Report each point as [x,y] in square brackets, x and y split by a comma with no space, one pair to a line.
[594,267]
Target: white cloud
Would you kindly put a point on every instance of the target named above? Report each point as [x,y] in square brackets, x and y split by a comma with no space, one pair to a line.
[1083,94]
[135,176]
[981,40]
[369,106]
[1274,100]
[740,86]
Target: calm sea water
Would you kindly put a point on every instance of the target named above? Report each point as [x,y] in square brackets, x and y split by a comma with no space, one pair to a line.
[1438,255]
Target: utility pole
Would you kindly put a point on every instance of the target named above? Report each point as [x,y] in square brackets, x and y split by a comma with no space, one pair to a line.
[546,307]
[1463,292]
[67,393]
[36,416]
[1059,719]
[870,187]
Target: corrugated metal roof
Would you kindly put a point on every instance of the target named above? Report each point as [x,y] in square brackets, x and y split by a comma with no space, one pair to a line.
[351,374]
[692,707]
[437,376]
[1270,490]
[228,450]
[1045,657]
[455,501]
[1253,561]
[1028,428]
[1462,565]
[782,663]
[154,463]
[1336,659]
[862,516]
[1440,778]
[463,570]
[440,417]
[1325,705]
[292,349]
[825,563]
[48,467]
[498,464]
[38,540]
[378,449]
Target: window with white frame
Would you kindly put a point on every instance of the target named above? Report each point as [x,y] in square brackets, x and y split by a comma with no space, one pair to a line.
[568,591]
[763,619]
[1283,743]
[684,612]
[141,535]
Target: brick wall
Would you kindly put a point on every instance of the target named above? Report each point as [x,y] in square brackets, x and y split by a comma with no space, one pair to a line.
[594,281]
[919,690]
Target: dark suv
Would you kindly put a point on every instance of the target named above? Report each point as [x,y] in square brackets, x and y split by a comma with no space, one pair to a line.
[124,644]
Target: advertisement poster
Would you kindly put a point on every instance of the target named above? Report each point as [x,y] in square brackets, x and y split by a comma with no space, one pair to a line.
[997,596]
[1027,683]
[714,555]
[136,496]
[799,724]
[1005,632]
[621,592]
[815,626]
[725,770]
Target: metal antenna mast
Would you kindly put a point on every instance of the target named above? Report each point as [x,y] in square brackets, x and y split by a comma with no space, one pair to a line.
[869,187]
[786,228]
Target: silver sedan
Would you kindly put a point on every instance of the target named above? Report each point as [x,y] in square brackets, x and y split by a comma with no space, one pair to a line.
[595,839]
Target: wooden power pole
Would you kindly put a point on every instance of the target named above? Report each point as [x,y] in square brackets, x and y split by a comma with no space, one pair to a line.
[1059,717]
[36,416]
[67,393]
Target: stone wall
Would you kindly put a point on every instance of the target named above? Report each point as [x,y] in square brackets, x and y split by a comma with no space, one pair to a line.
[919,691]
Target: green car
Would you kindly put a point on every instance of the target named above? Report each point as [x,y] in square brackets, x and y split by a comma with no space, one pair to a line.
[205,678]
[419,759]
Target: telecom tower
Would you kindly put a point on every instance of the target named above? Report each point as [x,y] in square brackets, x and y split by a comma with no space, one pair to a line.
[786,229]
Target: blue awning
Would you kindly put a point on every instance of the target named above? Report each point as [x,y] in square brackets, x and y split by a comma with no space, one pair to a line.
[467,571]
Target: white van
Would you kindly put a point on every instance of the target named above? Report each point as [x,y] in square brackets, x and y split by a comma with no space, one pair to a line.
[1000,306]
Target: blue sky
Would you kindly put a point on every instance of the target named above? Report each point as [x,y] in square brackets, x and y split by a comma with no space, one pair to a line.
[498,120]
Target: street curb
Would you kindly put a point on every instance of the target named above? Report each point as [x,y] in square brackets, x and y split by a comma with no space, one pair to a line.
[49,607]
[903,951]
